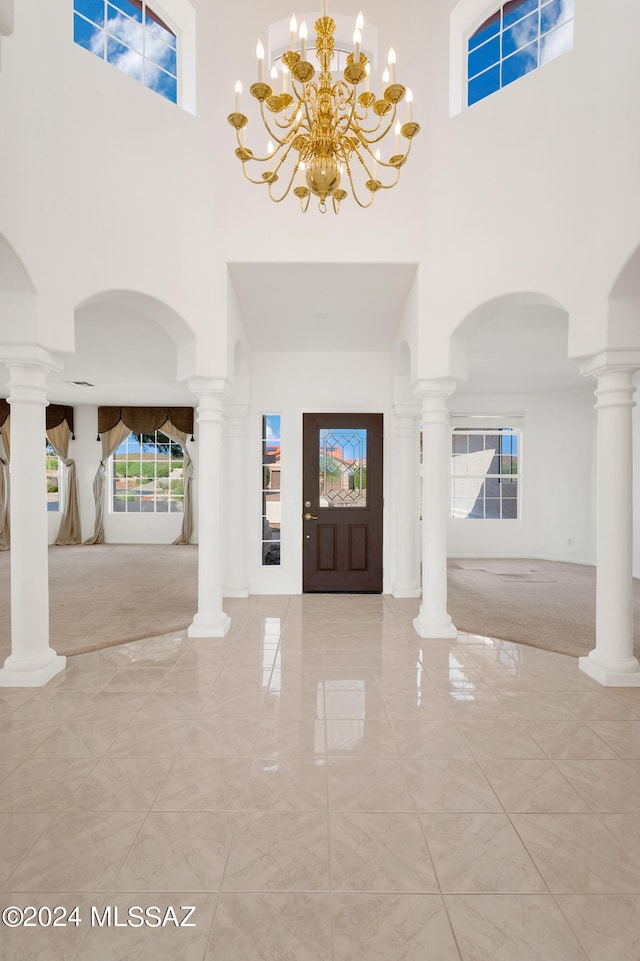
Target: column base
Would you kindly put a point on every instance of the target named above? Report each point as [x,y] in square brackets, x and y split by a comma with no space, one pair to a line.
[19,672]
[209,625]
[406,592]
[612,676]
[434,627]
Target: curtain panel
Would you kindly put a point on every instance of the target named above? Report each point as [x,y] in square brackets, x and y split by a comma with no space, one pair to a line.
[59,421]
[5,451]
[69,530]
[116,423]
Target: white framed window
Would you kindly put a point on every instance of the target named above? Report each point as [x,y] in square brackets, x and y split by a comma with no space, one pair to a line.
[518,37]
[131,36]
[485,479]
[147,475]
[52,474]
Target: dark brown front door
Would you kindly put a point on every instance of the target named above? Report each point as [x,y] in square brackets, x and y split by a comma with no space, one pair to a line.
[342,503]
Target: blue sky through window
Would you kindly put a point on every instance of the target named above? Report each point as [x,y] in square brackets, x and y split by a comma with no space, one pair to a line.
[518,37]
[130,35]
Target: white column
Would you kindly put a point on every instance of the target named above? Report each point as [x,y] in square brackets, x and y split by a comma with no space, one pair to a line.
[433,619]
[210,620]
[236,582]
[612,662]
[32,662]
[406,472]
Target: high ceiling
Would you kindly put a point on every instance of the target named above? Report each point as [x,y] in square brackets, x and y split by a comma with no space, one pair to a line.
[306,307]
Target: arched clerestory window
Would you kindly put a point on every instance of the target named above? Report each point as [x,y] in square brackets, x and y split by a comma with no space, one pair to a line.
[518,37]
[130,35]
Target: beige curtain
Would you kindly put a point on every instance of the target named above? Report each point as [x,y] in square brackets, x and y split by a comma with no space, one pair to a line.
[179,437]
[111,440]
[69,531]
[5,451]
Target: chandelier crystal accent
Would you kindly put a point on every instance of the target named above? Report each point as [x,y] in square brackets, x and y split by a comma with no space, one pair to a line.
[326,133]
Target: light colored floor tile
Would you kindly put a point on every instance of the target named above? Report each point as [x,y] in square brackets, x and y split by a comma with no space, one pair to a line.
[18,832]
[489,927]
[436,737]
[368,784]
[569,739]
[622,736]
[314,750]
[76,738]
[496,739]
[168,706]
[286,784]
[576,854]
[159,937]
[541,706]
[608,925]
[263,927]
[178,851]
[204,784]
[220,737]
[121,784]
[232,705]
[360,737]
[379,852]
[480,853]
[43,784]
[279,852]
[531,786]
[392,927]
[152,738]
[47,943]
[76,852]
[608,786]
[20,737]
[450,785]
[290,737]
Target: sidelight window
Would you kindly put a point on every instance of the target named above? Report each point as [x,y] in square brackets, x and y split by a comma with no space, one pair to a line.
[271,503]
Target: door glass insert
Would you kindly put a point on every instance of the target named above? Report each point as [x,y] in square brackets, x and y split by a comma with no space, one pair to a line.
[343,467]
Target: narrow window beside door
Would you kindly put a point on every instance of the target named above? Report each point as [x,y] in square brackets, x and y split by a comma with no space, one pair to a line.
[271,490]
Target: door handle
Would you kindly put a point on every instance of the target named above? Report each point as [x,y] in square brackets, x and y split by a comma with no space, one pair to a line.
[311,517]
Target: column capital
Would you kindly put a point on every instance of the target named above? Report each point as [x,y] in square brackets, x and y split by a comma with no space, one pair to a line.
[609,361]
[31,355]
[406,411]
[218,387]
[425,389]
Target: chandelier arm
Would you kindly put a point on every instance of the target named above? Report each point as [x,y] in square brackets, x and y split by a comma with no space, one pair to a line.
[260,183]
[353,186]
[273,135]
[382,186]
[384,133]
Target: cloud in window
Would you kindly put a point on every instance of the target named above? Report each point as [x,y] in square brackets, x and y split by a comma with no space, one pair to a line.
[124,49]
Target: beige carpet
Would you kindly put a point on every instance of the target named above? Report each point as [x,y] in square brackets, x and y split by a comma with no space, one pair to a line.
[107,594]
[545,604]
[100,596]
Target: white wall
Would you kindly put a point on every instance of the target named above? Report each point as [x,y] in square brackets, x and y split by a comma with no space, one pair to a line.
[290,384]
[557,488]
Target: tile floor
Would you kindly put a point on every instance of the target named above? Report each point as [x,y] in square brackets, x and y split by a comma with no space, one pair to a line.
[322,785]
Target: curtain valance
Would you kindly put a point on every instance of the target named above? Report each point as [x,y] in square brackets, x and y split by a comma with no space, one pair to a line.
[55,414]
[144,420]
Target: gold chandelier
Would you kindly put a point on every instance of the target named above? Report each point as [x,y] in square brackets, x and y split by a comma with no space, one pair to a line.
[325,133]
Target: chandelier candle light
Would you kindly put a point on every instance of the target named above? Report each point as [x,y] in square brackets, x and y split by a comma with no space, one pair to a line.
[322,128]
